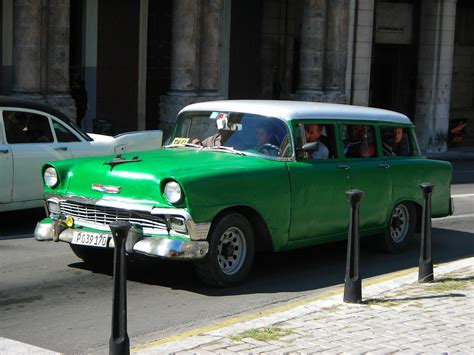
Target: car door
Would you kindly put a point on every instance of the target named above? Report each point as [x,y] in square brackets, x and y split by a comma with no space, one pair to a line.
[319,208]
[369,172]
[6,167]
[32,143]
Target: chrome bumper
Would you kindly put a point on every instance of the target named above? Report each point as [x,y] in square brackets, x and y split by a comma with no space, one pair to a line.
[136,244]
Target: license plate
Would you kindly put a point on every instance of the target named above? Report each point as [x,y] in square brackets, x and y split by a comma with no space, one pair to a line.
[92,239]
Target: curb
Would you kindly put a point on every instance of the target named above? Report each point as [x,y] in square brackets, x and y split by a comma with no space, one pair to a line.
[214,332]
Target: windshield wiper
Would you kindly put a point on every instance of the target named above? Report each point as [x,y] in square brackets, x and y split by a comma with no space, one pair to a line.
[227,149]
[188,145]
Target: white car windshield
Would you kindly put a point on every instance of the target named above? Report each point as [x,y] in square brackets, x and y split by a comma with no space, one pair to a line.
[232,132]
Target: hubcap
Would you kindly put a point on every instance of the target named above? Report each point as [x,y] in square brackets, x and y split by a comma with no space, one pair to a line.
[231,251]
[399,224]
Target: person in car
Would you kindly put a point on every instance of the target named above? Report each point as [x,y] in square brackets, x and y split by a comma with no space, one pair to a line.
[358,145]
[313,132]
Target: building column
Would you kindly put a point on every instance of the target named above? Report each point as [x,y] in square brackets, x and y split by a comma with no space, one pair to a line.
[435,65]
[41,53]
[57,84]
[336,51]
[194,57]
[209,71]
[313,51]
[362,52]
[27,48]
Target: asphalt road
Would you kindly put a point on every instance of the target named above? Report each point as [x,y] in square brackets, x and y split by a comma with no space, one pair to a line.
[50,299]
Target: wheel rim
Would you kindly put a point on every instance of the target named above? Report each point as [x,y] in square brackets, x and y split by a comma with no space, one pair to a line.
[399,224]
[231,251]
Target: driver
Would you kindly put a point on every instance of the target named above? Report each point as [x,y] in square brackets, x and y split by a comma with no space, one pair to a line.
[266,141]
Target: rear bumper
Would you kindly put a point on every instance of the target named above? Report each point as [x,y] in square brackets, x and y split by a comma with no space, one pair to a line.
[136,243]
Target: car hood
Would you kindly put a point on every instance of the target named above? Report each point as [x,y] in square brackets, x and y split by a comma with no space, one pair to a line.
[139,177]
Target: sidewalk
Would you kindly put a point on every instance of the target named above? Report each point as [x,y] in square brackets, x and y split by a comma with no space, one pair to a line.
[398,314]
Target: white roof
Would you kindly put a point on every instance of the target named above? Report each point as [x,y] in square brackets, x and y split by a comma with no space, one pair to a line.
[288,110]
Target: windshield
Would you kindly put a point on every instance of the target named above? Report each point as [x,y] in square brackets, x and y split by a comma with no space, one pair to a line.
[232,131]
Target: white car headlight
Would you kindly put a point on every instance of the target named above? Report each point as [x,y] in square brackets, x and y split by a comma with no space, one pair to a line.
[173,192]
[51,177]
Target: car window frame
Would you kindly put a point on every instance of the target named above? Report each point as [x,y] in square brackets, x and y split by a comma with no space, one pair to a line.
[412,140]
[26,110]
[377,138]
[298,124]
[73,131]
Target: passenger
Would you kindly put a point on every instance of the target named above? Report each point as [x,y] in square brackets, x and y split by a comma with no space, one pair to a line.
[313,132]
[215,140]
[358,145]
[396,145]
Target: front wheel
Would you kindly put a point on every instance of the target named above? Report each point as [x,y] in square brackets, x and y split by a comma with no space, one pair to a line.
[231,252]
[400,228]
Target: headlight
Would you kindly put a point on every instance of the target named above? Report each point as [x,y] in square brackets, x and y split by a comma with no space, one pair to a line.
[51,177]
[173,192]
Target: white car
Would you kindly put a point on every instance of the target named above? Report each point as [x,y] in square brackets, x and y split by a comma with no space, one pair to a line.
[32,133]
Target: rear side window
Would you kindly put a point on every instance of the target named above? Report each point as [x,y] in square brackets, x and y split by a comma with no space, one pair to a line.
[26,127]
[396,141]
[359,141]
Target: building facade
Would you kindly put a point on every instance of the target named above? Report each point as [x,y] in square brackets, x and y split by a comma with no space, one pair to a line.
[121,66]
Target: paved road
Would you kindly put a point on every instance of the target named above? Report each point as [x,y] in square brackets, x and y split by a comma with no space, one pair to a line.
[50,299]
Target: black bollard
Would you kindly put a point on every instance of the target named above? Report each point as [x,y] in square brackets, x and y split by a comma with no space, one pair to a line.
[352,282]
[425,269]
[119,341]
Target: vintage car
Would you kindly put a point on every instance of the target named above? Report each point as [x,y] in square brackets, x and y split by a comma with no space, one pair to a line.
[238,177]
[32,134]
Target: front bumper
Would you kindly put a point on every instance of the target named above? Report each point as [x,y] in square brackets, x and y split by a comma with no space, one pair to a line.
[136,243]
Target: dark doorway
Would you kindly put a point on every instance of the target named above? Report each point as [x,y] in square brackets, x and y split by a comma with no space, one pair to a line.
[394,65]
[245,38]
[158,58]
[117,64]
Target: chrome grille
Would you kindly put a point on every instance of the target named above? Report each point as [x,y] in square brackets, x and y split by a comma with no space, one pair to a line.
[101,215]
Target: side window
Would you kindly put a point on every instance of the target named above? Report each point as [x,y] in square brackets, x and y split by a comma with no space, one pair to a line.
[359,141]
[396,142]
[63,134]
[26,127]
[315,141]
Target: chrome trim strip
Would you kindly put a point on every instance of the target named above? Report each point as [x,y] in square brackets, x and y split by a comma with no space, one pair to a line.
[136,244]
[196,231]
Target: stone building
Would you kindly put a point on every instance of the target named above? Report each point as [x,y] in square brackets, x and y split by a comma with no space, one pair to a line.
[140,61]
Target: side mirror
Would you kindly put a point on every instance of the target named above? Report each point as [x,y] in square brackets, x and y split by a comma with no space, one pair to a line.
[310,147]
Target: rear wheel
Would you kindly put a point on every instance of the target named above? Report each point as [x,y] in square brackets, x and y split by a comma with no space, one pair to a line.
[400,228]
[231,252]
[91,255]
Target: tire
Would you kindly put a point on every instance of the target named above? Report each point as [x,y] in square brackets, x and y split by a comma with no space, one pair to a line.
[400,227]
[91,255]
[231,252]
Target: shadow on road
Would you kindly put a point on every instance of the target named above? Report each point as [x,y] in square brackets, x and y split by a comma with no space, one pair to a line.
[299,270]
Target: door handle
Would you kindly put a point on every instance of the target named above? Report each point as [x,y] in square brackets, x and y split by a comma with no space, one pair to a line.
[384,165]
[4,151]
[344,166]
[61,148]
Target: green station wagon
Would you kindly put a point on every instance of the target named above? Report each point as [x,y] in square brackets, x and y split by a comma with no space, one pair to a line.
[237,177]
